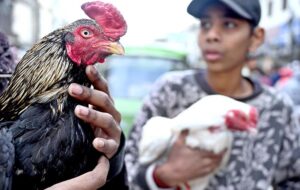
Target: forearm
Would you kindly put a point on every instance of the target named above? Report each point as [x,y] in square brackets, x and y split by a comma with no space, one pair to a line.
[88,181]
[117,162]
[118,182]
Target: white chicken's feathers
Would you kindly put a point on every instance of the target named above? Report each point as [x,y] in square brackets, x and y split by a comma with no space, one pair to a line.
[208,111]
[156,135]
[159,133]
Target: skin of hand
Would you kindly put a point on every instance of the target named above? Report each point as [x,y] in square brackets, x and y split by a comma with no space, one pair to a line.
[105,121]
[101,115]
[185,163]
[89,181]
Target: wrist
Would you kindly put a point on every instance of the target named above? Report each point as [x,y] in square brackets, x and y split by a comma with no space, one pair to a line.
[116,161]
[162,177]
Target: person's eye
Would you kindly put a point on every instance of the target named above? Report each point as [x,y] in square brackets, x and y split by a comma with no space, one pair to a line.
[205,25]
[230,25]
[86,33]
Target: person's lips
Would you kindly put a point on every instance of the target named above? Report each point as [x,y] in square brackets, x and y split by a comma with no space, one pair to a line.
[211,55]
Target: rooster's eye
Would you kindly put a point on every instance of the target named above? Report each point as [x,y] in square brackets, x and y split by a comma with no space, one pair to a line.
[86,33]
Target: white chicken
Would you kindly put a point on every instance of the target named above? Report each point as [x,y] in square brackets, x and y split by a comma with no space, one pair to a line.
[210,122]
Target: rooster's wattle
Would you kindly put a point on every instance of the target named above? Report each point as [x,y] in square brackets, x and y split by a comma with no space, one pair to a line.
[49,143]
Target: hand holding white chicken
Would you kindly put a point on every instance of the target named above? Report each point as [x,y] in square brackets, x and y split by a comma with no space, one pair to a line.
[210,122]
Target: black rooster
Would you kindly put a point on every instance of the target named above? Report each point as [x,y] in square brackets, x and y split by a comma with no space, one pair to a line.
[50,143]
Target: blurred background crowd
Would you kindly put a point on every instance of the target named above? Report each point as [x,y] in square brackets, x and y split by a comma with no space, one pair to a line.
[156,43]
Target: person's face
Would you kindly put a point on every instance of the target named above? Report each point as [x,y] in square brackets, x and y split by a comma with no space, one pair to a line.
[224,40]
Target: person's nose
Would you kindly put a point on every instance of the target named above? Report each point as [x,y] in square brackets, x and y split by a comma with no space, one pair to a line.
[213,34]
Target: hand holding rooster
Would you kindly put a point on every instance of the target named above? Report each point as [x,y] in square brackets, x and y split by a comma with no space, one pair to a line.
[107,136]
[102,116]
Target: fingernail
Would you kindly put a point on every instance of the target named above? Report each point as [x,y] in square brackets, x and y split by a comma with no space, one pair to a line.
[94,71]
[84,111]
[99,143]
[76,89]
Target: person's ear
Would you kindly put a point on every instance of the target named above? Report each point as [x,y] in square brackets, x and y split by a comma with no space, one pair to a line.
[257,39]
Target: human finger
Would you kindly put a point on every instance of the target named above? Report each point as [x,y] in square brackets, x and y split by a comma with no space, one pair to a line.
[99,119]
[207,169]
[97,80]
[107,146]
[210,154]
[212,160]
[182,136]
[96,98]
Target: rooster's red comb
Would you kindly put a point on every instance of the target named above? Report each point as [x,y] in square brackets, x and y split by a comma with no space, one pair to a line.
[107,16]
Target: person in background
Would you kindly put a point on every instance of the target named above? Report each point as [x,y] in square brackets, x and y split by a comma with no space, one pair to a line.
[291,84]
[256,72]
[228,33]
[110,173]
[7,61]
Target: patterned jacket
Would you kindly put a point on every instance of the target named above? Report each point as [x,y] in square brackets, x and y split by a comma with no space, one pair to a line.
[271,158]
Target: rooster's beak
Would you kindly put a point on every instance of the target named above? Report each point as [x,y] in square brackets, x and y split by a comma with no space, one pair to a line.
[116,48]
